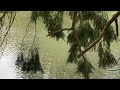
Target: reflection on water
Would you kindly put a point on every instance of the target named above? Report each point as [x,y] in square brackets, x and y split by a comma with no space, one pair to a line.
[7,66]
[54,67]
[53,56]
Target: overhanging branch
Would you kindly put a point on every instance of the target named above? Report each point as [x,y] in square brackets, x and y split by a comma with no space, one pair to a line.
[101,35]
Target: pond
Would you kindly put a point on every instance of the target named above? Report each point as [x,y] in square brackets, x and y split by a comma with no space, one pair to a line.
[53,54]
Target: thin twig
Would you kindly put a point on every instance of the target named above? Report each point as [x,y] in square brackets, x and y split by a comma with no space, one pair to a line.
[3,15]
[10,23]
[64,29]
[8,29]
[33,43]
[25,34]
[3,49]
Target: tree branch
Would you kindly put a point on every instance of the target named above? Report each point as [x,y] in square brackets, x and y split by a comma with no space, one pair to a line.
[12,18]
[64,29]
[101,35]
[76,36]
[3,15]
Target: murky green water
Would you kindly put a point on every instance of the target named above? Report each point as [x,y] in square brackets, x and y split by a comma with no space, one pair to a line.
[53,54]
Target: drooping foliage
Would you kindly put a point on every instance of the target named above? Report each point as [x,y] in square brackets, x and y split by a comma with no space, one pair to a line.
[52,20]
[31,62]
[106,59]
[88,27]
[85,67]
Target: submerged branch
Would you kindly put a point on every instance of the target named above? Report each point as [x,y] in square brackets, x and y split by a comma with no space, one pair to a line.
[101,35]
[114,70]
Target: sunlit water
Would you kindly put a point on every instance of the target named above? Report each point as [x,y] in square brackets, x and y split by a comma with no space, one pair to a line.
[53,56]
